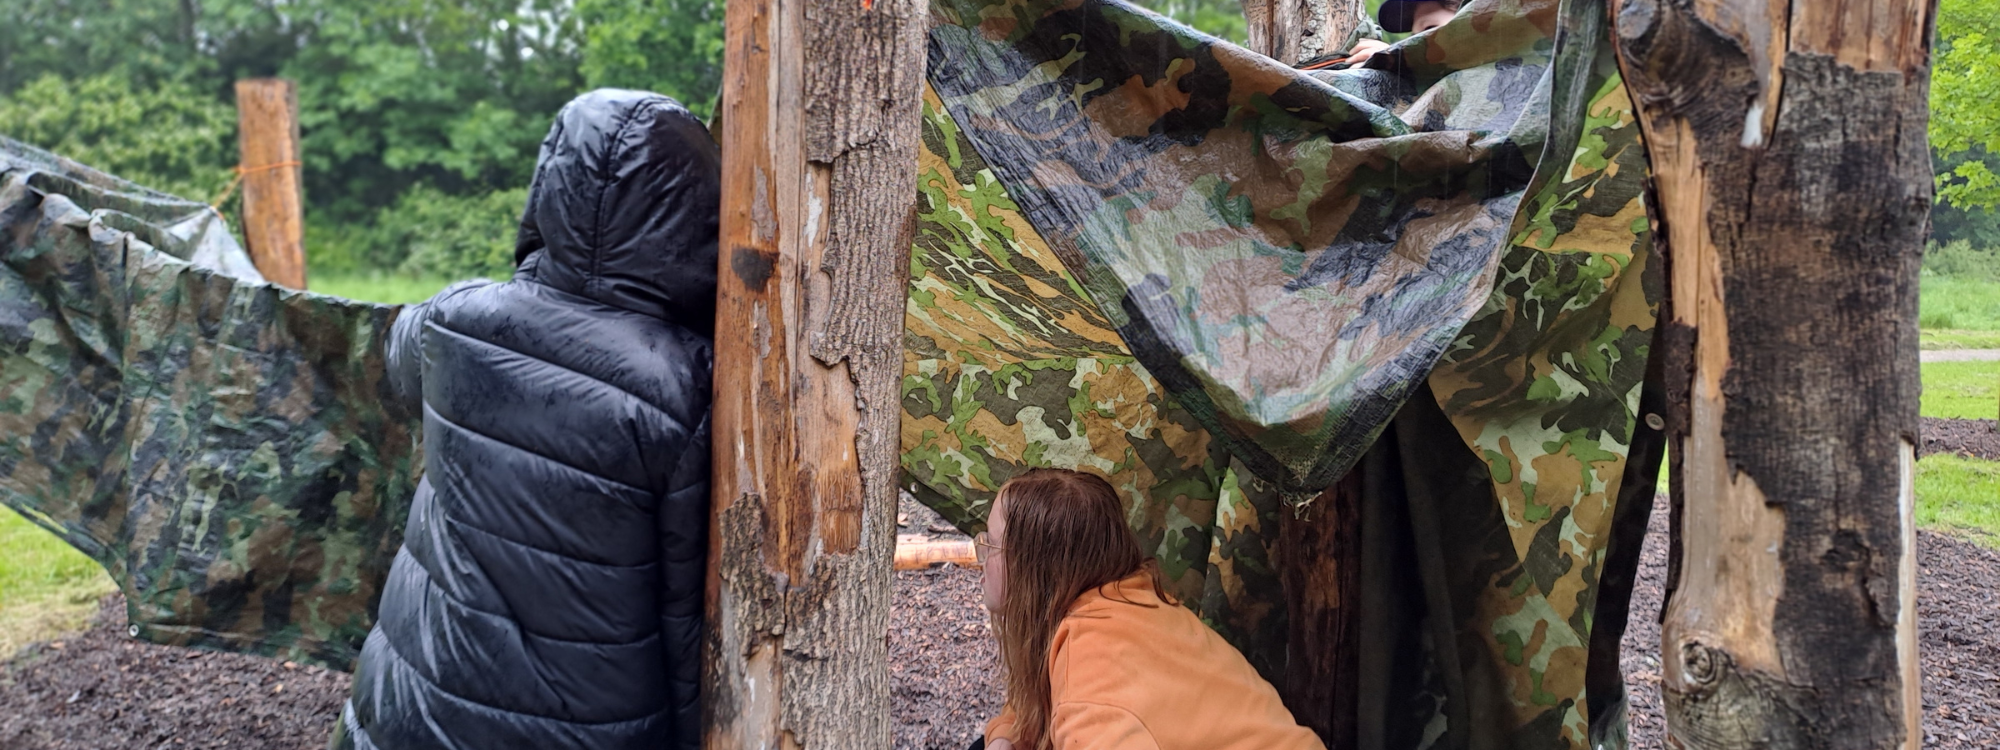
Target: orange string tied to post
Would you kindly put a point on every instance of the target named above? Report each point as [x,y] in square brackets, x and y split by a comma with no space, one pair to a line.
[241,171]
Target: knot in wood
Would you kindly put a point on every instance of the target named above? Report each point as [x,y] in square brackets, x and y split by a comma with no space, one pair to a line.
[1703,665]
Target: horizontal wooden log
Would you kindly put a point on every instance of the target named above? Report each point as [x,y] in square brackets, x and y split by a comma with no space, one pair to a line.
[920,552]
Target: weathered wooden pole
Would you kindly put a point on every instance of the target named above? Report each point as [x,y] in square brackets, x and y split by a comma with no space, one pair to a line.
[1794,185]
[821,105]
[267,126]
[1292,31]
[1317,554]
[1318,561]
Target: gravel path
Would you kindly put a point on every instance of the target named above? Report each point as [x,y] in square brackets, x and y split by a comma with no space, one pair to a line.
[1960,355]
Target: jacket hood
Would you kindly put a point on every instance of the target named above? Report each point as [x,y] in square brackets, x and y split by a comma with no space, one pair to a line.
[624,205]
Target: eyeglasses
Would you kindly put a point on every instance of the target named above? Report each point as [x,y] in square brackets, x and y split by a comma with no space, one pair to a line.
[980,543]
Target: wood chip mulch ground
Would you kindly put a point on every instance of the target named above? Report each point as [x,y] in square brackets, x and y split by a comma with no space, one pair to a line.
[1973,438]
[100,690]
[1958,626]
[944,668]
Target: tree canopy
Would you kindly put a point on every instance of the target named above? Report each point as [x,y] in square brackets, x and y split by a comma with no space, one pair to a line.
[1965,83]
[419,110]
[410,110]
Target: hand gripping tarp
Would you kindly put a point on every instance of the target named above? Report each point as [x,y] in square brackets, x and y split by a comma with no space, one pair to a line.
[220,445]
[1147,253]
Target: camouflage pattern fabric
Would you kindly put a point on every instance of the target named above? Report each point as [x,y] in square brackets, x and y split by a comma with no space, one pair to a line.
[1008,365]
[1544,386]
[1212,200]
[1140,251]
[223,447]
[1230,223]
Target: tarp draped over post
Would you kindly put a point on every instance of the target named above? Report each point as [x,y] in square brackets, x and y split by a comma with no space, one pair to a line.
[223,447]
[1217,280]
[1141,251]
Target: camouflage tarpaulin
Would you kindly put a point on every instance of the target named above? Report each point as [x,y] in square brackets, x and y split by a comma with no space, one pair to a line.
[223,447]
[1289,260]
[1149,254]
[1140,251]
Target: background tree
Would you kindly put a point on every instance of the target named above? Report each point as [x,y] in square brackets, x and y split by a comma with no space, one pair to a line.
[411,110]
[1965,126]
[1964,131]
[419,118]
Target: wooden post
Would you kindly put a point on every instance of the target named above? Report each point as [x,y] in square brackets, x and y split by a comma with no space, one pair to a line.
[1292,31]
[1794,185]
[1318,561]
[821,100]
[1318,551]
[919,552]
[267,126]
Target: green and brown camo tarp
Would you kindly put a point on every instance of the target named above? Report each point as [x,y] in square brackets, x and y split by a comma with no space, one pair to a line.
[1151,254]
[1140,251]
[223,447]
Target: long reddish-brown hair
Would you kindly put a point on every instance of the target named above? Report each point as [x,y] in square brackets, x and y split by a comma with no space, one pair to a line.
[1065,535]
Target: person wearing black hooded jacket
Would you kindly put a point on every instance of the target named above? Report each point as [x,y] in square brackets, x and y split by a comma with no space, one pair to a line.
[549,589]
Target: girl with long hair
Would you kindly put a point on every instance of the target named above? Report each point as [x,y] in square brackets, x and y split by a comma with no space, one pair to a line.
[1097,654]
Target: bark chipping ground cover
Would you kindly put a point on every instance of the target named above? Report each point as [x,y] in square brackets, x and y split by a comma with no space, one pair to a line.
[103,691]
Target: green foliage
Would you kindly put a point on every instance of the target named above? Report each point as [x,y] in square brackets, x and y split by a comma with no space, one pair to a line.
[626,45]
[1962,259]
[167,136]
[148,42]
[409,110]
[428,232]
[1976,225]
[1220,18]
[1957,492]
[1965,81]
[452,93]
[1961,390]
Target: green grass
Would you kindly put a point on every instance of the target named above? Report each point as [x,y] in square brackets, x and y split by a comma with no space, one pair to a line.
[1958,304]
[46,586]
[386,289]
[1961,390]
[1961,494]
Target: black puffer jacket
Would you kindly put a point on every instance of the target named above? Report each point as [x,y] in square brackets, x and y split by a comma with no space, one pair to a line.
[549,589]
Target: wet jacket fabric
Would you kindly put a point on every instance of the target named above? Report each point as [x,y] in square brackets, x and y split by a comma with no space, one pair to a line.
[549,589]
[1128,671]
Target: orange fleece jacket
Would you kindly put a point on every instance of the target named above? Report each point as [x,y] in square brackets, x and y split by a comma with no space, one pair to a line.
[1151,676]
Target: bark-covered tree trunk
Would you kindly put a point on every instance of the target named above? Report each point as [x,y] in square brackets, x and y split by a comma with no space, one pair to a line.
[1318,561]
[1292,31]
[1318,550]
[819,144]
[1794,183]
